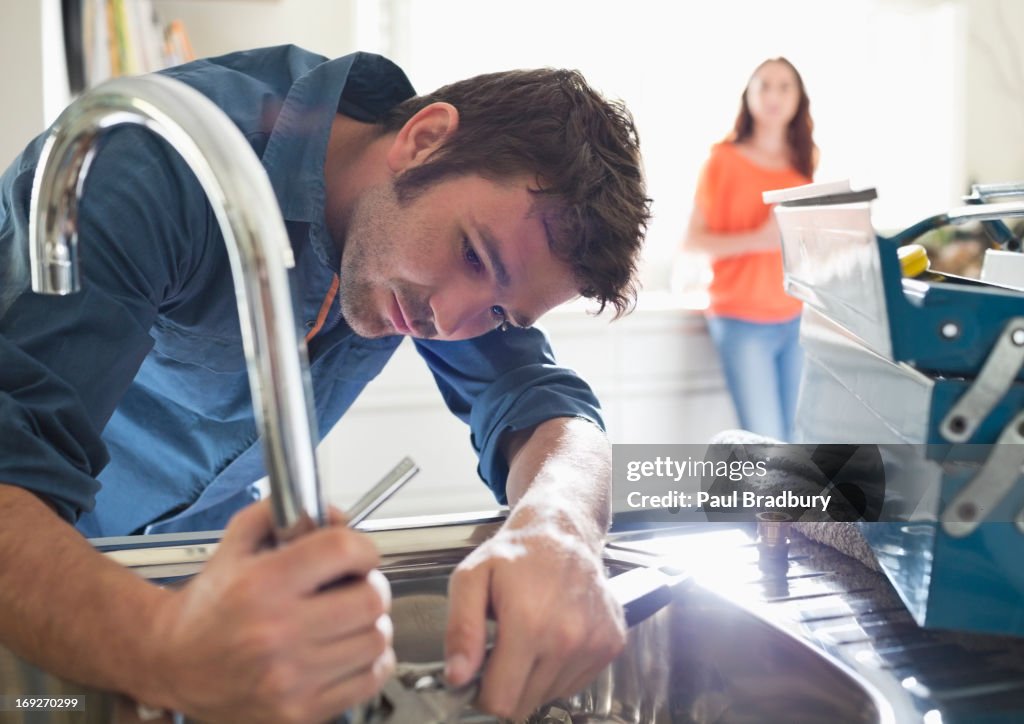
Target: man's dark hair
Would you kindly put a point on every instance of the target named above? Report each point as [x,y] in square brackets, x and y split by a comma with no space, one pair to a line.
[582,149]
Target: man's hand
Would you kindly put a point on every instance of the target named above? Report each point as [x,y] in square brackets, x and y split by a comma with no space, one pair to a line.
[541,576]
[256,637]
[558,624]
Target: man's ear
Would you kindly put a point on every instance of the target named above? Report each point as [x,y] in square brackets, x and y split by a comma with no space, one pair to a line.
[421,135]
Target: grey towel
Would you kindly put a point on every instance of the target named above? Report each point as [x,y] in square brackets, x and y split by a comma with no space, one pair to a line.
[842,535]
[790,468]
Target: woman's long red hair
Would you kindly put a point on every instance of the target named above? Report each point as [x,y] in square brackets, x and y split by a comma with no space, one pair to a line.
[800,134]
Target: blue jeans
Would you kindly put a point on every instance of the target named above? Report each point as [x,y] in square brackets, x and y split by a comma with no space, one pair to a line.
[762,365]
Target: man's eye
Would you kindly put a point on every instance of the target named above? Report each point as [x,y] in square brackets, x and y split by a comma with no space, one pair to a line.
[470,255]
[499,316]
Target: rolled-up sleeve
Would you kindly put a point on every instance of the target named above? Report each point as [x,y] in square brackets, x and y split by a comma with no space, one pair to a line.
[65,362]
[46,442]
[505,381]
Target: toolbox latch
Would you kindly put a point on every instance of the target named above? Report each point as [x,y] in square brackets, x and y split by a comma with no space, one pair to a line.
[994,480]
[989,387]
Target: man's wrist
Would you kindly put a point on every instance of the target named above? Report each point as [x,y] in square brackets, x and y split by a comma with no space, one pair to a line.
[553,519]
[154,647]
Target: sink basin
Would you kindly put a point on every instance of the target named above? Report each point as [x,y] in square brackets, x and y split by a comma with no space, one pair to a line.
[700,659]
[731,666]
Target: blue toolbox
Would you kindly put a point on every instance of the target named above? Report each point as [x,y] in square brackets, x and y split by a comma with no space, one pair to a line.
[930,367]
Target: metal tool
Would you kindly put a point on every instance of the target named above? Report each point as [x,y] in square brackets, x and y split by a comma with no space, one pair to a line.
[384,489]
[198,553]
[417,693]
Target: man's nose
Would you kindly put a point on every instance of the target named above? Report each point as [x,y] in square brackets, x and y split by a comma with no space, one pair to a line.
[460,312]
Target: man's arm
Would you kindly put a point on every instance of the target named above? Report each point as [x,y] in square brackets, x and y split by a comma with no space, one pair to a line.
[49,574]
[560,471]
[536,427]
[542,575]
[251,638]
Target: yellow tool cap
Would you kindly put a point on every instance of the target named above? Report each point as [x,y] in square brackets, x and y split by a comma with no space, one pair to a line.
[913,259]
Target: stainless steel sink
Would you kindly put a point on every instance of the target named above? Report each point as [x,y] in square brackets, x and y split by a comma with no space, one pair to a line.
[701,659]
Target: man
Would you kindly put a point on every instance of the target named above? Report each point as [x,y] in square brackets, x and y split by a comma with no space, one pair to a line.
[456,218]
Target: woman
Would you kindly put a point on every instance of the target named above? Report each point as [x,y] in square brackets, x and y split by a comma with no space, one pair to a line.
[753,321]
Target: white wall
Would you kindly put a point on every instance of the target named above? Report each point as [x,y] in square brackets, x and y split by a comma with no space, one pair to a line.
[884,78]
[994,123]
[34,82]
[901,73]
[323,26]
[22,117]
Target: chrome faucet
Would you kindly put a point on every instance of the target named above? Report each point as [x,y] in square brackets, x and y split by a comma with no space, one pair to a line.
[258,247]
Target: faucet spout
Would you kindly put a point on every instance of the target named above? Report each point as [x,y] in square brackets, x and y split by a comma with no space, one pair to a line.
[260,254]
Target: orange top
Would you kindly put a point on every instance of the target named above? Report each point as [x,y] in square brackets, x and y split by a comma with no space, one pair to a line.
[744,286]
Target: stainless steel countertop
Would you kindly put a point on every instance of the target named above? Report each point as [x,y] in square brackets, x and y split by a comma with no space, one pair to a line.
[854,615]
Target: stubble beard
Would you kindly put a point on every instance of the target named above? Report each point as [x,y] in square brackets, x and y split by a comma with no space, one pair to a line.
[365,252]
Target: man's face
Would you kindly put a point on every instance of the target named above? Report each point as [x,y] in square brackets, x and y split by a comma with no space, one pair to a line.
[450,263]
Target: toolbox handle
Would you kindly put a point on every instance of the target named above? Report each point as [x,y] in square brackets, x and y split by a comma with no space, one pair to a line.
[997,231]
[961,215]
[984,212]
[984,192]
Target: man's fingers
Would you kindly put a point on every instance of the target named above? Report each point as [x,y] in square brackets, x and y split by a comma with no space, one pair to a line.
[345,609]
[248,530]
[537,689]
[509,667]
[321,557]
[345,656]
[579,683]
[593,652]
[569,657]
[329,699]
[344,692]
[307,563]
[466,634]
[336,516]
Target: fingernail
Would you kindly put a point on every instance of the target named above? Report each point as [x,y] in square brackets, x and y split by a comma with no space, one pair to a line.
[456,668]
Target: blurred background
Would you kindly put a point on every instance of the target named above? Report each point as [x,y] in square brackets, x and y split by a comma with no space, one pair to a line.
[917,98]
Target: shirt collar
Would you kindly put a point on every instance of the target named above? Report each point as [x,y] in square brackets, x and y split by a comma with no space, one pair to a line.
[360,85]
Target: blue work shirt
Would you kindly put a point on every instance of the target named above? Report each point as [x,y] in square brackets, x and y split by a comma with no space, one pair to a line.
[127,405]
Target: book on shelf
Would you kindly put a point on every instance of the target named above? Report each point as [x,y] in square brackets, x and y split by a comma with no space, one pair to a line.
[108,38]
